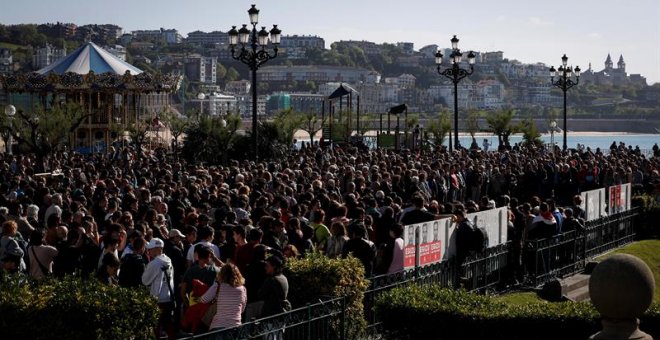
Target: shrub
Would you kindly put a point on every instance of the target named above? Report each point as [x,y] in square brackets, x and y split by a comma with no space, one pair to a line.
[317,276]
[75,309]
[439,313]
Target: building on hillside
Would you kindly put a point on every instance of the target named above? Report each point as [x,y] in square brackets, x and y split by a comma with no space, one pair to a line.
[492,57]
[369,48]
[118,51]
[315,73]
[6,61]
[428,51]
[484,94]
[58,30]
[405,80]
[210,38]
[238,87]
[169,36]
[611,75]
[298,102]
[218,104]
[406,47]
[201,69]
[296,46]
[47,55]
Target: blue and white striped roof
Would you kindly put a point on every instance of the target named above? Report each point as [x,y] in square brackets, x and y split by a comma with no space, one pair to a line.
[90,57]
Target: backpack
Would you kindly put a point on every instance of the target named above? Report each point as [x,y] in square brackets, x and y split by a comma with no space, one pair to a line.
[479,239]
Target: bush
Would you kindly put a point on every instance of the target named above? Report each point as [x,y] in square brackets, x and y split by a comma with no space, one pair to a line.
[317,276]
[75,309]
[439,313]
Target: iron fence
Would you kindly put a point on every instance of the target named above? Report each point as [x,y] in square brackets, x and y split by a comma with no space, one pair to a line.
[543,260]
[485,271]
[325,320]
[568,253]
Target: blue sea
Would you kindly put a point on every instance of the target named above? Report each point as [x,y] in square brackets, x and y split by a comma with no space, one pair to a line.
[603,141]
[598,140]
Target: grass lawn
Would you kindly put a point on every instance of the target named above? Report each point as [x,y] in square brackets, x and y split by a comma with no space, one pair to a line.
[519,298]
[647,250]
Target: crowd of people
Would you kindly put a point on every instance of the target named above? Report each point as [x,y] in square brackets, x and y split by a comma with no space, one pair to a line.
[199,236]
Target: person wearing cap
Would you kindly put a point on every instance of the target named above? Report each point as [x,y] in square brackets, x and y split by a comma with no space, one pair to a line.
[158,276]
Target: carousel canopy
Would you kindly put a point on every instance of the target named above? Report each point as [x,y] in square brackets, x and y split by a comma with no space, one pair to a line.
[90,57]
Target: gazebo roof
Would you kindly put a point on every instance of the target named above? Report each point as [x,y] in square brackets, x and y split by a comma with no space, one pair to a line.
[90,57]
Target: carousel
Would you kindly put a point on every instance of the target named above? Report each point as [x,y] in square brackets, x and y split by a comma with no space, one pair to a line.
[113,94]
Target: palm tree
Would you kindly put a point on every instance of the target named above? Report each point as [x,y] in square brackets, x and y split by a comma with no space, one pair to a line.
[440,127]
[500,124]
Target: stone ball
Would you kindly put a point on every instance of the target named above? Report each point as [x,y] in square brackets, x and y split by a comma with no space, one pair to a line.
[621,287]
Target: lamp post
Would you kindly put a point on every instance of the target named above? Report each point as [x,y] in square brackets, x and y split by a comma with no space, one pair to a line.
[201,96]
[553,127]
[10,111]
[455,73]
[564,82]
[253,53]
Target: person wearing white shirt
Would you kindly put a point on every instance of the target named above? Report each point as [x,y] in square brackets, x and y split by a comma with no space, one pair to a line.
[206,236]
[158,276]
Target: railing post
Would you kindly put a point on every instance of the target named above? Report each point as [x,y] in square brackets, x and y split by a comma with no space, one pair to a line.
[309,322]
[342,321]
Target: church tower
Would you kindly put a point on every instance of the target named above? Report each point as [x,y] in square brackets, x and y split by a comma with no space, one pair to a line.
[608,62]
[621,65]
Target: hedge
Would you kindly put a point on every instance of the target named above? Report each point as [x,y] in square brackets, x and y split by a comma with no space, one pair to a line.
[72,308]
[438,313]
[317,276]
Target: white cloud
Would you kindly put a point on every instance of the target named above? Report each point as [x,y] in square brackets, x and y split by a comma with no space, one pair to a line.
[594,35]
[501,18]
[539,22]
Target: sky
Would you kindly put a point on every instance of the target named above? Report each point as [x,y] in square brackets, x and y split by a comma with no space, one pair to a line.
[526,30]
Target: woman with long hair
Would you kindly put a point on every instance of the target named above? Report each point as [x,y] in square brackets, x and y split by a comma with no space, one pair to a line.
[230,295]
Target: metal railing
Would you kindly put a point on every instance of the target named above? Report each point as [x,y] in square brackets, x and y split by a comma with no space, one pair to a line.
[543,260]
[568,253]
[485,271]
[325,320]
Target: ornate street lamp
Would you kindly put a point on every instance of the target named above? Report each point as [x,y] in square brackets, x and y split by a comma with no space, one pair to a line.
[455,73]
[253,53]
[10,111]
[564,82]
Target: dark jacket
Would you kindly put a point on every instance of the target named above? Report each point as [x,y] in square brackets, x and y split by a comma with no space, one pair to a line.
[274,292]
[130,272]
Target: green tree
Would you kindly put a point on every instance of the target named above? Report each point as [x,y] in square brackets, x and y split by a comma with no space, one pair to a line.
[232,74]
[472,122]
[138,131]
[220,73]
[312,124]
[439,127]
[177,125]
[288,122]
[210,138]
[500,124]
[531,135]
[44,130]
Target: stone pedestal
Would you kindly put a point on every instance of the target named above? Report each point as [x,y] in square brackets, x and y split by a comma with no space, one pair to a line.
[621,289]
